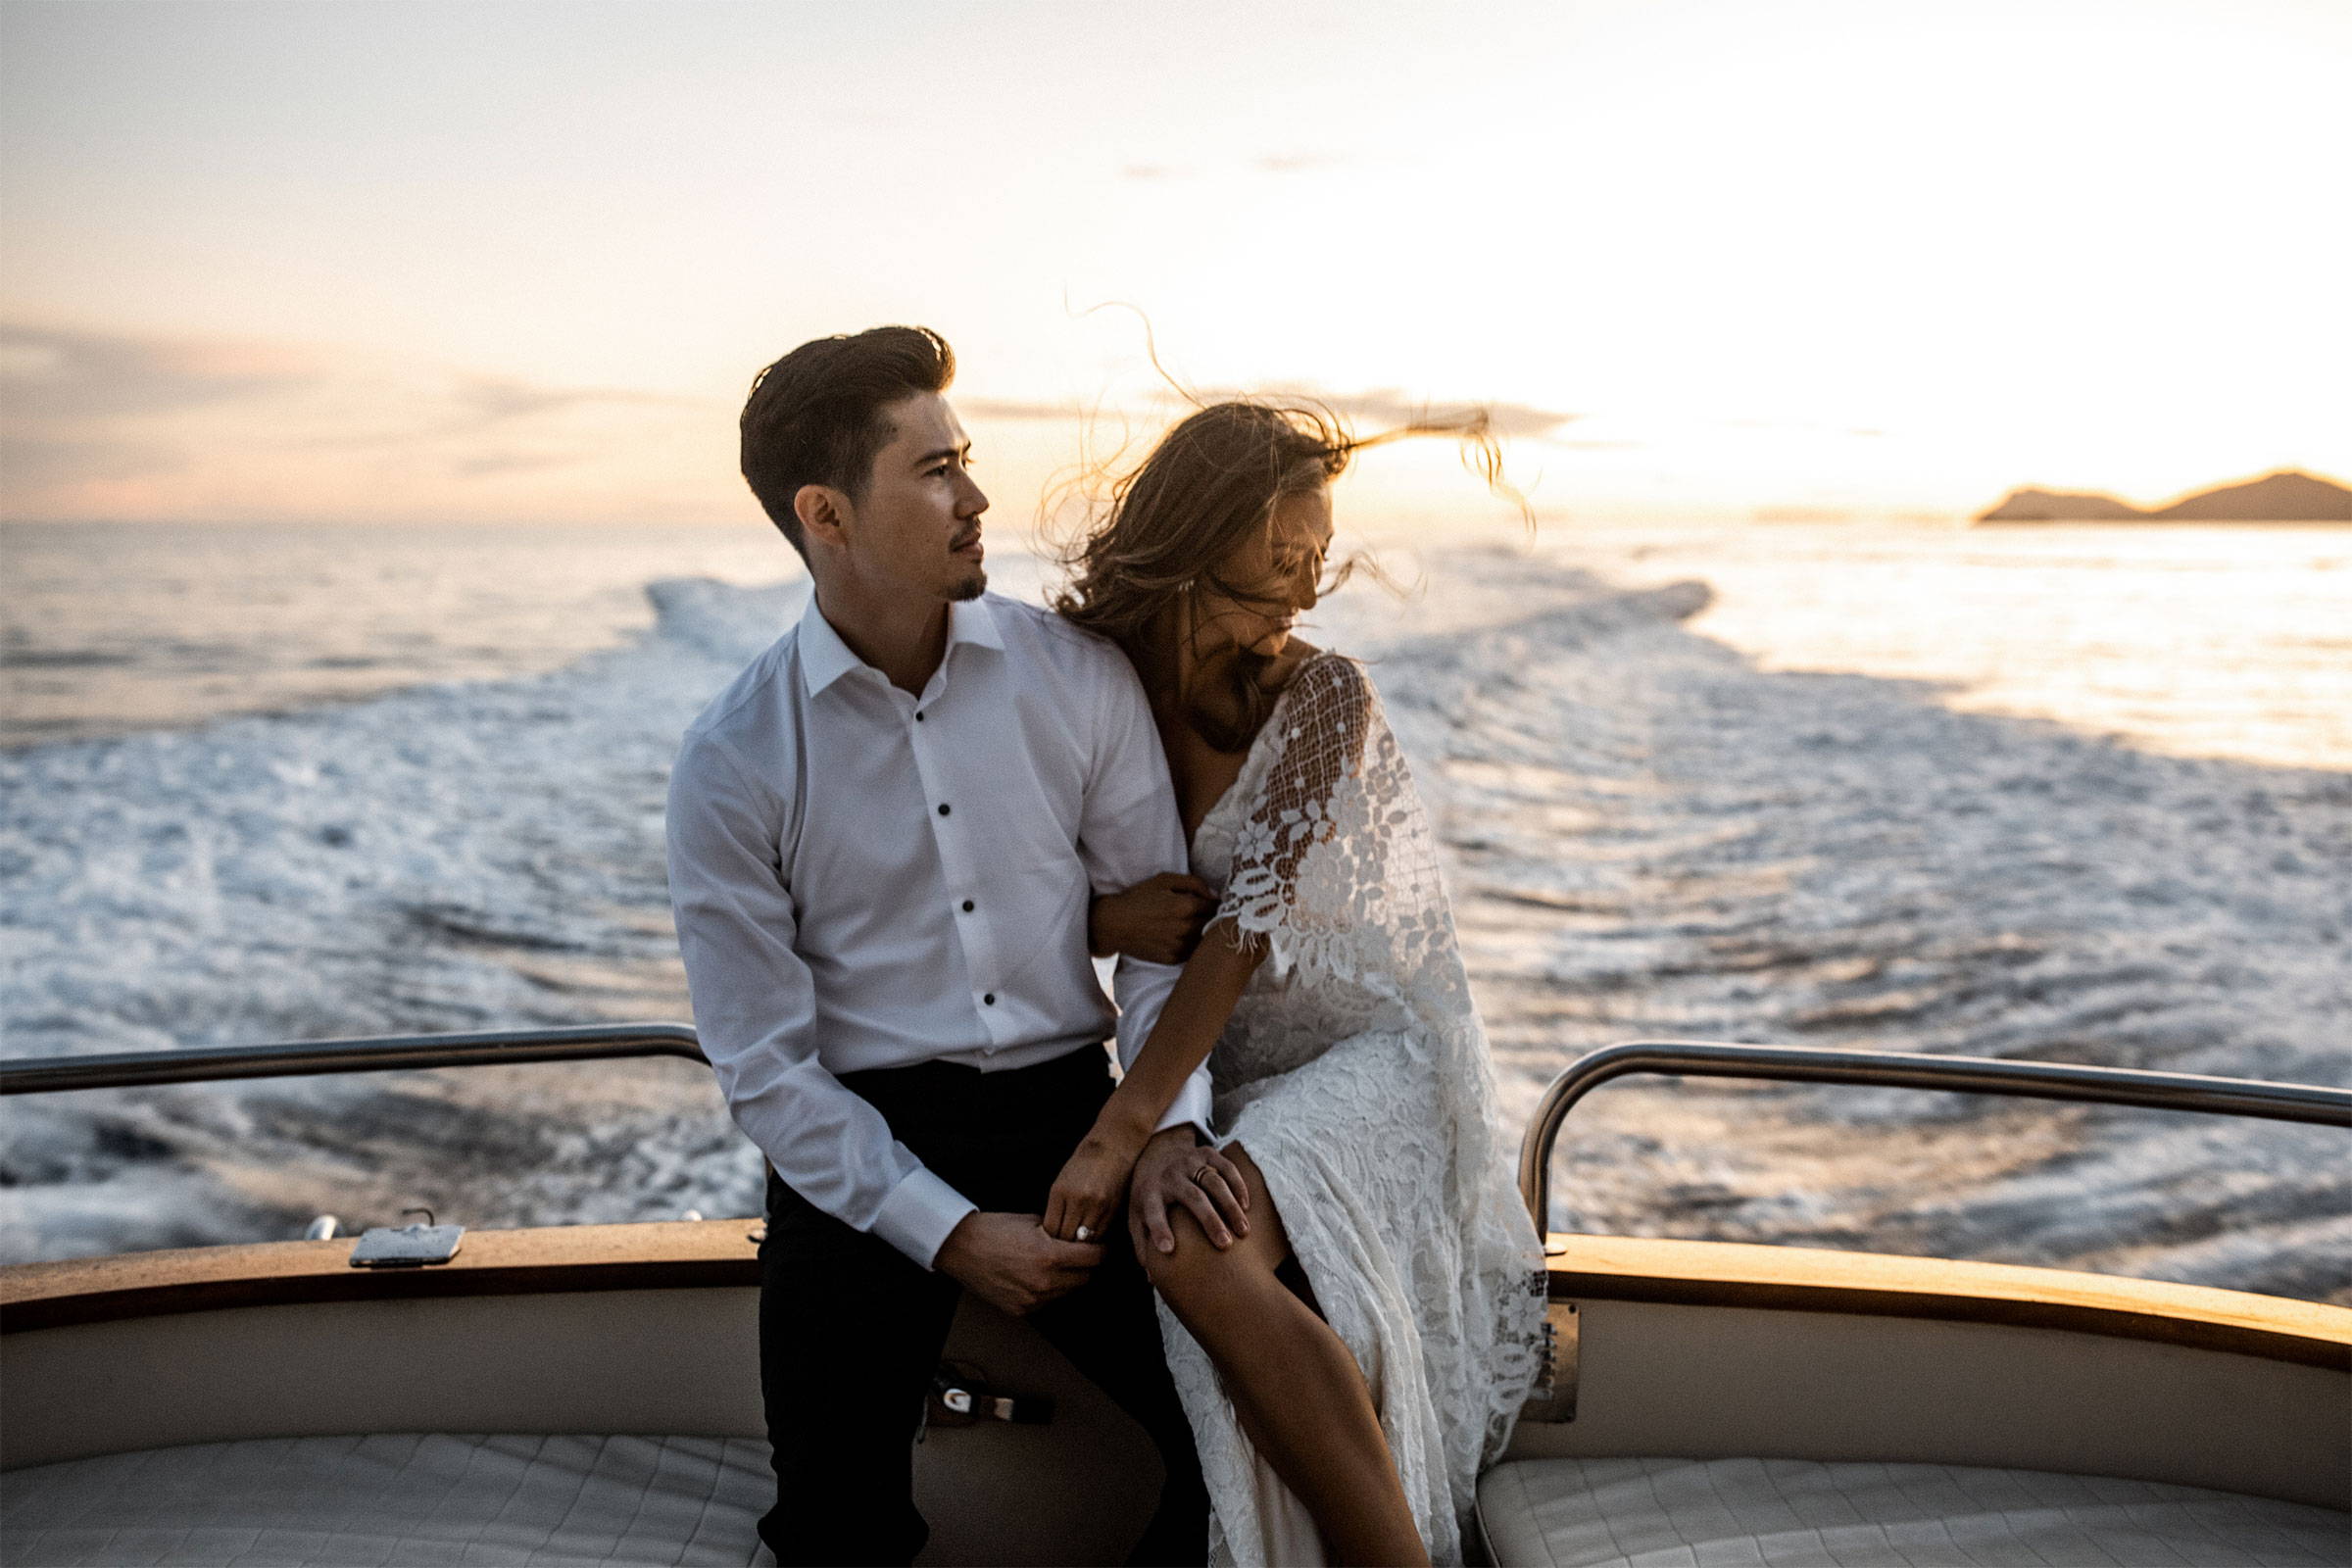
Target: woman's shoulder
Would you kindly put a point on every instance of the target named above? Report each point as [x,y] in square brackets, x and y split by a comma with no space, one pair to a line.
[1326,685]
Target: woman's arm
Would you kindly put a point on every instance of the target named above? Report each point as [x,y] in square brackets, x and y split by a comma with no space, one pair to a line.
[1091,1185]
[1326,718]
[1195,1015]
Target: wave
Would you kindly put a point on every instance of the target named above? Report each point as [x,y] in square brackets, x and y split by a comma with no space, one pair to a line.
[1654,839]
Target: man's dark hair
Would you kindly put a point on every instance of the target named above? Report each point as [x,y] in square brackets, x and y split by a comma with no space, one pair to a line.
[814,417]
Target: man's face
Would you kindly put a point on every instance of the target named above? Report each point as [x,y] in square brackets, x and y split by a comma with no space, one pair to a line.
[916,528]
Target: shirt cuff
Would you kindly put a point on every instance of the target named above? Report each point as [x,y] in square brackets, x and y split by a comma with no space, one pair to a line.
[920,1213]
[1191,1105]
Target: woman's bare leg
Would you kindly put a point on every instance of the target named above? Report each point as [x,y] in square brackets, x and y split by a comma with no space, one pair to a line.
[1296,1387]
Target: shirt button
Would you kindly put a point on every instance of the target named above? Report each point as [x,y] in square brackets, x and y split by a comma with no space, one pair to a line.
[942,808]
[989,1000]
[918,717]
[967,906]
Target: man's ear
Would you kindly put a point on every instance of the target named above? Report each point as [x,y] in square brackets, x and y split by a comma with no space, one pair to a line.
[823,512]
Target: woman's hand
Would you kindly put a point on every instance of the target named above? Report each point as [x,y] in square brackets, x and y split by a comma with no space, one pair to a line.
[1175,1172]
[1092,1186]
[1157,920]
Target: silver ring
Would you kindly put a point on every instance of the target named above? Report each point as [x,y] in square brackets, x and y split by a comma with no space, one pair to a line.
[1201,1175]
[1085,1234]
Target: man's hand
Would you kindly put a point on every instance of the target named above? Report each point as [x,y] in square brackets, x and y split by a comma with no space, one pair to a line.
[1157,920]
[1009,1261]
[1175,1172]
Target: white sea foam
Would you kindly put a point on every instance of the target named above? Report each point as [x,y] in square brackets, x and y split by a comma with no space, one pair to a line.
[1650,836]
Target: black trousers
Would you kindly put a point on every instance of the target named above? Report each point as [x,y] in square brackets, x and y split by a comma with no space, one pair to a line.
[851,1328]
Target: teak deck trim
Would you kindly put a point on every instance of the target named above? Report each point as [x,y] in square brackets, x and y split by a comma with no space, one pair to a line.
[721,1253]
[1884,1285]
[658,1255]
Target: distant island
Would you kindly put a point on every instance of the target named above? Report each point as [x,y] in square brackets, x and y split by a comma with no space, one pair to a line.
[2287,496]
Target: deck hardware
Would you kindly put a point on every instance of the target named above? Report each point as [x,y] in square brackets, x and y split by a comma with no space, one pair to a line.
[1554,1394]
[960,1395]
[409,1245]
[322,1229]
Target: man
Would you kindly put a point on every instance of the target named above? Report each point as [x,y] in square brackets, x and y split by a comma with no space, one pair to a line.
[884,836]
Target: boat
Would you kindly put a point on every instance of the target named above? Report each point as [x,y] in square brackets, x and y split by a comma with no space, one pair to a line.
[589,1393]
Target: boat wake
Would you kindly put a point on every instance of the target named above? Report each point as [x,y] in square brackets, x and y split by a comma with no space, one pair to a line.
[1649,837]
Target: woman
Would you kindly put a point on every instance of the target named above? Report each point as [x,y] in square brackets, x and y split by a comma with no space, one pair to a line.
[1356,1316]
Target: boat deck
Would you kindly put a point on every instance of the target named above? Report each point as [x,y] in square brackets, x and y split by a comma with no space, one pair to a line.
[586,1394]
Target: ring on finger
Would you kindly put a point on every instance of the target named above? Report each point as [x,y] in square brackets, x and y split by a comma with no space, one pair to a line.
[1086,1232]
[1202,1174]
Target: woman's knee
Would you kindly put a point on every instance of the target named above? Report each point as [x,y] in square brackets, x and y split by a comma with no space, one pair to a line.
[1190,1274]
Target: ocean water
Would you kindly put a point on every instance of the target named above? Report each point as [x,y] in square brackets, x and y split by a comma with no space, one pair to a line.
[110,630]
[2077,795]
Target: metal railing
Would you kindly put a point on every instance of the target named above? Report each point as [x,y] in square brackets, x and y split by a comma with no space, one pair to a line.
[40,1075]
[1895,1070]
[1693,1059]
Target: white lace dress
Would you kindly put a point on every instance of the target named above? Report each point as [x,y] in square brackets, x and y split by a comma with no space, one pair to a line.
[1355,1072]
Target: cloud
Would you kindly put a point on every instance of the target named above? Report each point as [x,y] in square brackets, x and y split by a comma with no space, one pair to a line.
[1015,409]
[102,423]
[483,465]
[29,464]
[484,400]
[1385,406]
[1152,171]
[1390,406]
[49,375]
[402,409]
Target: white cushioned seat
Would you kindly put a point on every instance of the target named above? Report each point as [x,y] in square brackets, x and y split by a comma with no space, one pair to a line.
[1798,1514]
[405,1498]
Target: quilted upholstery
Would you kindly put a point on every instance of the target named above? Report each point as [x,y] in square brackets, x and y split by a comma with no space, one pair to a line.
[396,1498]
[1798,1513]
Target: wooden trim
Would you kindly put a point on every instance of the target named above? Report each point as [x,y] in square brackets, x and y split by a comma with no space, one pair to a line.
[1875,1284]
[721,1253]
[571,1257]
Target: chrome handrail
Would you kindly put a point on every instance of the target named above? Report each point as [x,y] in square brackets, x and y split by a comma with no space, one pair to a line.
[1895,1069]
[40,1075]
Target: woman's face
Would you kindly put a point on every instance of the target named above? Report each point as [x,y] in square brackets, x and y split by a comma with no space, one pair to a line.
[1278,569]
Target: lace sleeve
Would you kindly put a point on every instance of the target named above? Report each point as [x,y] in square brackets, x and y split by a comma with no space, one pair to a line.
[1336,869]
[1311,853]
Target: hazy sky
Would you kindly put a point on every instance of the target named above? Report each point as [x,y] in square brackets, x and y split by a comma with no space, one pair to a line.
[413,262]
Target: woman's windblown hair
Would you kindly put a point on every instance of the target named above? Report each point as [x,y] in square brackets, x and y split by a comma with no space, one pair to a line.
[1207,488]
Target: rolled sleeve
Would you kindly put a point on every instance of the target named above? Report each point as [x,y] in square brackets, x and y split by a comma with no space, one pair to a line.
[755,1009]
[1192,1104]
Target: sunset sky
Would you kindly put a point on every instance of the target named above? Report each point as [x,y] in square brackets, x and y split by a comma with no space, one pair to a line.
[381,262]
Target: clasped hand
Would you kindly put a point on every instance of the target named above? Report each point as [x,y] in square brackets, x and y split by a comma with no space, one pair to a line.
[1092,1188]
[1019,1262]
[1157,920]
[1170,1170]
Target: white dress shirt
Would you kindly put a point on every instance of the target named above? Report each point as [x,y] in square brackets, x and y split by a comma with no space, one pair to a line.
[867,878]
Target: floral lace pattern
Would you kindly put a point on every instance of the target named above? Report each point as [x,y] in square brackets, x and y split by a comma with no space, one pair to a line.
[1355,1072]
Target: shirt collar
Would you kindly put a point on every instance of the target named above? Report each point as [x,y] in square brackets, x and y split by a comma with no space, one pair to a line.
[825,658]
